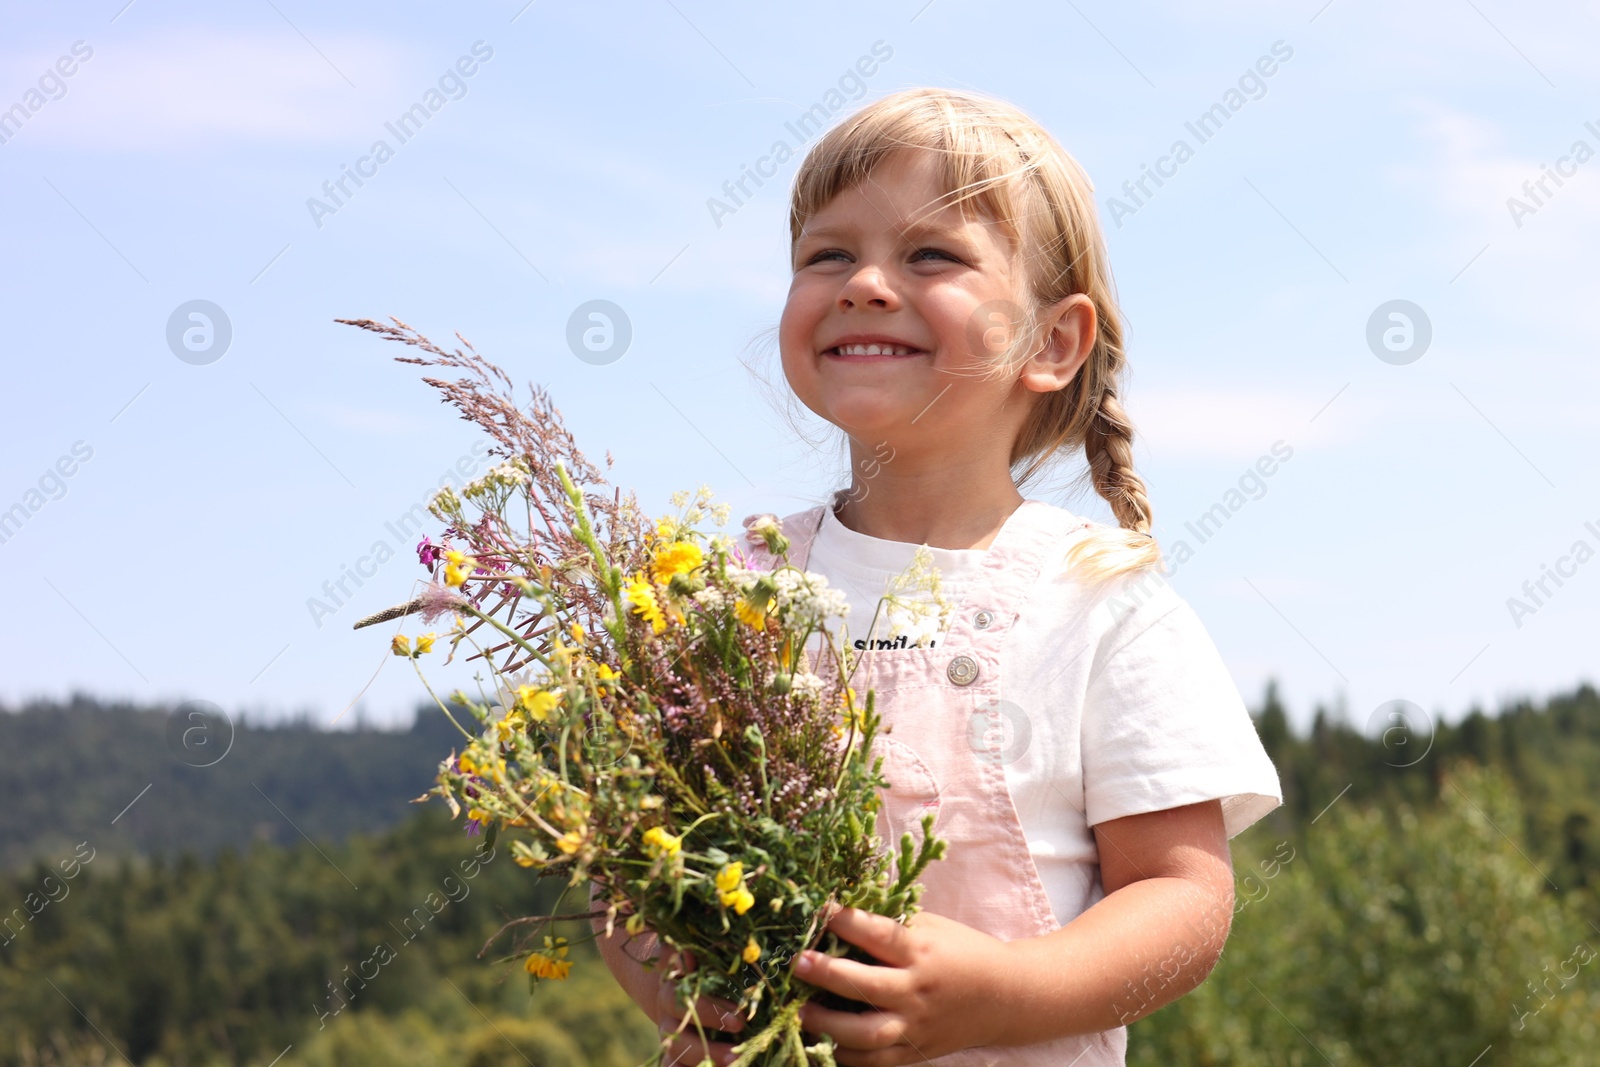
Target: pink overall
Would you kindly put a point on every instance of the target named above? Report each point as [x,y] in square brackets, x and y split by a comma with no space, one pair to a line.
[939,760]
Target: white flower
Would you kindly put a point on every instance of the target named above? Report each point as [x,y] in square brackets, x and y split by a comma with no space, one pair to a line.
[914,605]
[505,476]
[806,685]
[505,698]
[710,598]
[445,505]
[804,598]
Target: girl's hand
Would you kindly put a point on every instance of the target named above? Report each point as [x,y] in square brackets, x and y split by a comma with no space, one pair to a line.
[670,1015]
[941,988]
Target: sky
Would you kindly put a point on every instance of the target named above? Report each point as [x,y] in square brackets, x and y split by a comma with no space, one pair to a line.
[188,485]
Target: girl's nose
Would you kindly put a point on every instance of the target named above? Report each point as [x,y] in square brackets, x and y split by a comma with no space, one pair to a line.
[868,287]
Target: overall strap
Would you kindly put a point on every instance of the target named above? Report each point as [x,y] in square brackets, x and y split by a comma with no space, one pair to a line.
[801,528]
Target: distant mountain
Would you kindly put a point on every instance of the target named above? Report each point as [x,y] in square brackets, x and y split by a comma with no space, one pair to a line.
[73,768]
[132,781]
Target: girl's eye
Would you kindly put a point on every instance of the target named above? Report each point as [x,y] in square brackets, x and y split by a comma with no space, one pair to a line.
[826,254]
[941,253]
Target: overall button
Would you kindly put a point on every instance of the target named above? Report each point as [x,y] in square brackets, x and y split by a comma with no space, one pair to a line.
[963,670]
[983,620]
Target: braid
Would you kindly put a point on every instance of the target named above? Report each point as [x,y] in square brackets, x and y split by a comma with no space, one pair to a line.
[1108,445]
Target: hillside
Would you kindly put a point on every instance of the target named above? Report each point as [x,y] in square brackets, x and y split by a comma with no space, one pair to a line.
[1417,899]
[74,767]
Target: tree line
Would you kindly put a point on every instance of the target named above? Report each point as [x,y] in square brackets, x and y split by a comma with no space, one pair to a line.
[1421,897]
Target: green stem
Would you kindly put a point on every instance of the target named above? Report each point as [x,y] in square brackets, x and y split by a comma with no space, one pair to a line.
[509,632]
[782,1030]
[686,795]
[608,573]
[418,668]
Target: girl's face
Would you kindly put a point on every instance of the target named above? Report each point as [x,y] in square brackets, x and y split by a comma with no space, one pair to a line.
[891,313]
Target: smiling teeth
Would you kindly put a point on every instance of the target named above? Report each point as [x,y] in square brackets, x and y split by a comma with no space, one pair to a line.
[874,350]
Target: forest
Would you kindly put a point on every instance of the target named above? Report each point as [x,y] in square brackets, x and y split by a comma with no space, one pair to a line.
[1420,898]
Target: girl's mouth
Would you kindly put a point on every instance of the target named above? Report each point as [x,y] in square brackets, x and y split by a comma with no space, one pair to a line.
[871,352]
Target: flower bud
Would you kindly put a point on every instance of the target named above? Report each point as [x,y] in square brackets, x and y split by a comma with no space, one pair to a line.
[762,592]
[686,584]
[765,529]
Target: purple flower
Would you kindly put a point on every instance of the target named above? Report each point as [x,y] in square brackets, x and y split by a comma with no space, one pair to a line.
[474,827]
[428,552]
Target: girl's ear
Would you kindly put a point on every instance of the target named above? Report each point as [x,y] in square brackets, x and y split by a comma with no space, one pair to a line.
[1069,328]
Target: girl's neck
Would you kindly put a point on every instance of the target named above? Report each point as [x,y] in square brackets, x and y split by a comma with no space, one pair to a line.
[952,509]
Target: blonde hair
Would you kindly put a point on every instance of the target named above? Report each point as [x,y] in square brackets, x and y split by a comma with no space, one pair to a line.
[1000,161]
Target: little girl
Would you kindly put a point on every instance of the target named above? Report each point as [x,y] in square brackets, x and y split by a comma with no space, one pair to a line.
[1064,716]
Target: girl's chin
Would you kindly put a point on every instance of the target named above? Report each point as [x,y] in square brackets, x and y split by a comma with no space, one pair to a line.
[871,422]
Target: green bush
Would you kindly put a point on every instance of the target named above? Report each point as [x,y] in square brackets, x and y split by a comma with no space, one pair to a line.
[1394,937]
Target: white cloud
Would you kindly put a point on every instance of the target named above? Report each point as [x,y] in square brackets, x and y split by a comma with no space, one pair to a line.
[191,88]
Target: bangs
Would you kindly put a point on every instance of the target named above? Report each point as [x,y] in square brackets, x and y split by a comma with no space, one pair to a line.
[982,164]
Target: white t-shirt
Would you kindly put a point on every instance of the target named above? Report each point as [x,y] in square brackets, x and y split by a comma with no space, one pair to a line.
[1116,701]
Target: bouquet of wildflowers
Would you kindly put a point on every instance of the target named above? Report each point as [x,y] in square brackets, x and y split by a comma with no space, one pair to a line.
[663,720]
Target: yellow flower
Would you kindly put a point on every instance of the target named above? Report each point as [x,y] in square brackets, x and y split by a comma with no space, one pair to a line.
[731,890]
[455,573]
[577,633]
[604,673]
[538,703]
[851,712]
[679,557]
[452,556]
[552,962]
[425,643]
[749,614]
[662,843]
[569,841]
[509,726]
[400,645]
[752,951]
[478,815]
[729,877]
[464,761]
[643,599]
[740,900]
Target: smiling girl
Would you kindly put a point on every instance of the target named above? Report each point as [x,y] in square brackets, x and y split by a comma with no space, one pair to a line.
[1068,721]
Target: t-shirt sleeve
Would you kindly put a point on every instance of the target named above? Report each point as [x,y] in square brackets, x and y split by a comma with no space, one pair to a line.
[1163,723]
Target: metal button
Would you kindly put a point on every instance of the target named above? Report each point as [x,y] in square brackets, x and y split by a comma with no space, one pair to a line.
[983,620]
[963,670]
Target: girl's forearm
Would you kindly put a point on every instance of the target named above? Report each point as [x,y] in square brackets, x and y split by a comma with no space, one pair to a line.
[639,983]
[1139,948]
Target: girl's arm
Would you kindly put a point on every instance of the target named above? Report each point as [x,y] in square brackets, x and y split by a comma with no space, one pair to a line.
[656,996]
[1156,934]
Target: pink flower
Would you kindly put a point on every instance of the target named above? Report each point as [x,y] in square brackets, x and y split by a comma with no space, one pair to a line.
[427,552]
[436,599]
